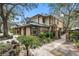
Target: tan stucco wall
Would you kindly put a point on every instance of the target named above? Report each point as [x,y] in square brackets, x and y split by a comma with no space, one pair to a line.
[60,24]
[56,21]
[40,20]
[22,32]
[28,31]
[42,29]
[35,19]
[47,21]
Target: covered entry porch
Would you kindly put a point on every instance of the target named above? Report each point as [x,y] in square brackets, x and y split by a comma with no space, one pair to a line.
[30,30]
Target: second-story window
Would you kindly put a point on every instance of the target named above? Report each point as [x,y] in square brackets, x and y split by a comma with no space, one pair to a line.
[43,20]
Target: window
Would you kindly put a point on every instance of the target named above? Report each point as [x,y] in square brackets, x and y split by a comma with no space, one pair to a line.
[34,30]
[19,31]
[43,20]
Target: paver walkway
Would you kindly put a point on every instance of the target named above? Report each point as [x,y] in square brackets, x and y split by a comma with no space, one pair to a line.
[61,46]
[44,50]
[68,49]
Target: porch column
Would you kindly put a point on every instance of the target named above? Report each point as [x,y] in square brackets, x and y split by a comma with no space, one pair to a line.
[56,34]
[28,31]
[22,32]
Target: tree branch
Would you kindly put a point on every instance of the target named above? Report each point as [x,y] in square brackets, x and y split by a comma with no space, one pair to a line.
[10,10]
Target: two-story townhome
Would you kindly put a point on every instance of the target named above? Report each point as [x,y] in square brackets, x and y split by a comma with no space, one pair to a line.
[39,23]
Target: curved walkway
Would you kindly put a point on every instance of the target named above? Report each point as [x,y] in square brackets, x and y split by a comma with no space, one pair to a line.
[44,50]
[57,48]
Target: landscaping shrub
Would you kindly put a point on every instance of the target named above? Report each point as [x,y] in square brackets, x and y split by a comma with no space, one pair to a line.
[45,37]
[41,35]
[4,47]
[49,35]
[42,38]
[15,48]
[29,42]
[74,35]
[46,34]
[76,42]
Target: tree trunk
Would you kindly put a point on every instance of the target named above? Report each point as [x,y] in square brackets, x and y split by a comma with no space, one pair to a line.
[56,34]
[67,36]
[5,27]
[59,34]
[27,51]
[4,19]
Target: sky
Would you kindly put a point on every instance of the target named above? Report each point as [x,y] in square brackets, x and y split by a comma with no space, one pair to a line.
[41,9]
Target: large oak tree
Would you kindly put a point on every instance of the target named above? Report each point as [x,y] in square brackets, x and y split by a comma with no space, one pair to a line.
[67,12]
[9,11]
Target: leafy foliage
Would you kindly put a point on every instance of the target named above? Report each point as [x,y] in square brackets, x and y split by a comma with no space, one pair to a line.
[41,35]
[29,41]
[45,37]
[68,10]
[49,35]
[74,35]
[46,34]
[12,48]
[12,11]
[4,47]
[76,43]
[15,50]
